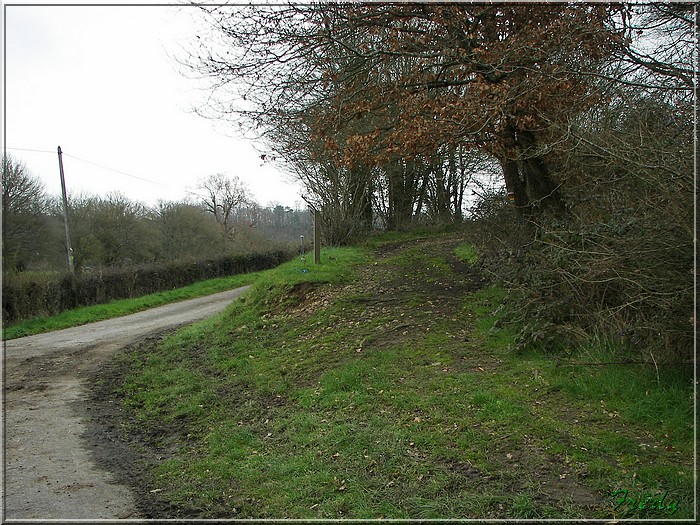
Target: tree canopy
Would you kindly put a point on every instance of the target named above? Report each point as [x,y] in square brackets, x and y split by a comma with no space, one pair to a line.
[383,85]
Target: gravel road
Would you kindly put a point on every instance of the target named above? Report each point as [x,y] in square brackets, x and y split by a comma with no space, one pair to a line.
[50,471]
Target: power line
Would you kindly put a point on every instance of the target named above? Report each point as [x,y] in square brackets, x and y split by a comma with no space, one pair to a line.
[35,150]
[112,169]
[90,162]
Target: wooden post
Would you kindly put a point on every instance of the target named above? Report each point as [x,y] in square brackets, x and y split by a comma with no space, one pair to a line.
[69,248]
[317,237]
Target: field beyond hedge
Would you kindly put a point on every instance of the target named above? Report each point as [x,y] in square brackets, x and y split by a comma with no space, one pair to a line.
[382,384]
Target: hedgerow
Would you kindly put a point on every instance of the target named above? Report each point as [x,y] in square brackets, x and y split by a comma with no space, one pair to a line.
[23,298]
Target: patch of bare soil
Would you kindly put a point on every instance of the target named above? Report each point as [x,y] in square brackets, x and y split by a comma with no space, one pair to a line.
[411,292]
[404,284]
[63,459]
[127,448]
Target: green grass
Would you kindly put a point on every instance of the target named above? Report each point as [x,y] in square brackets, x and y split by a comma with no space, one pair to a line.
[377,239]
[90,314]
[467,253]
[360,389]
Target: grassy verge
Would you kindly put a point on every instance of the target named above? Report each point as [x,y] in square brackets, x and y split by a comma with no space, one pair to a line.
[90,314]
[383,386]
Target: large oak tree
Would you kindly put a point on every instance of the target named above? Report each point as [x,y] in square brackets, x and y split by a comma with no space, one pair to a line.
[388,85]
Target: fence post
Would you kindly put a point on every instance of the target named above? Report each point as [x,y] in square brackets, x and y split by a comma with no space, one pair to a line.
[317,237]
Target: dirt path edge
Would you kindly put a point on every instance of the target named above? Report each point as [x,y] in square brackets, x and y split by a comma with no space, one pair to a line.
[54,452]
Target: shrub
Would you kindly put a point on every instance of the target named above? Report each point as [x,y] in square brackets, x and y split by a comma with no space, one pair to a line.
[24,297]
[619,263]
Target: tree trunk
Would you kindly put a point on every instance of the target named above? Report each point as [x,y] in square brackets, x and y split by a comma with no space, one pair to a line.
[400,185]
[515,186]
[361,197]
[541,189]
[456,185]
[442,196]
[528,181]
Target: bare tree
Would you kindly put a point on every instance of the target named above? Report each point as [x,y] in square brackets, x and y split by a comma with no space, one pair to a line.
[186,230]
[221,196]
[24,205]
[111,230]
[664,47]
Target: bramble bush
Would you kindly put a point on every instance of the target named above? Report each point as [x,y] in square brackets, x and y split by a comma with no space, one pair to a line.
[618,265]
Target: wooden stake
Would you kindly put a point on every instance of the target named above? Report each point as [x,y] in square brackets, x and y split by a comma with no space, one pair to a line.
[317,237]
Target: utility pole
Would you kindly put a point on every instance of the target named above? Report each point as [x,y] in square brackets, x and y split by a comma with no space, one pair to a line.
[69,248]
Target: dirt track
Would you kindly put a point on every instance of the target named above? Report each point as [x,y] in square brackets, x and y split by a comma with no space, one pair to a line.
[50,470]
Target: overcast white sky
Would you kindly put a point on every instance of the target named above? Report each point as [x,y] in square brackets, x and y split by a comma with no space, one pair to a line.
[98,82]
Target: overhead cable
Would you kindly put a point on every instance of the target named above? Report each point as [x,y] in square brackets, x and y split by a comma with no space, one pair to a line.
[92,163]
[112,169]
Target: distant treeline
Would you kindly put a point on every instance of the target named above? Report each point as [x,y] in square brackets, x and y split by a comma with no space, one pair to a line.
[113,230]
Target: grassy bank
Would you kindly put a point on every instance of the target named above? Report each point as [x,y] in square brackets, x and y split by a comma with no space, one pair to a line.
[90,314]
[381,384]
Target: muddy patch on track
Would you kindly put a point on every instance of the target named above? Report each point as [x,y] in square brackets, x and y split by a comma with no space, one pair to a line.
[127,448]
[64,458]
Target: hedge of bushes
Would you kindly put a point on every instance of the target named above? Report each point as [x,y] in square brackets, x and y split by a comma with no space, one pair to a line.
[26,298]
[617,265]
[629,284]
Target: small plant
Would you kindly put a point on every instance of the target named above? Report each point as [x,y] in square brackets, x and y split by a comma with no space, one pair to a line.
[467,253]
[524,507]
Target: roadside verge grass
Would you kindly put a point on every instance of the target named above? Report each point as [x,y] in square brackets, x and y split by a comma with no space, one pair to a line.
[383,385]
[99,312]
